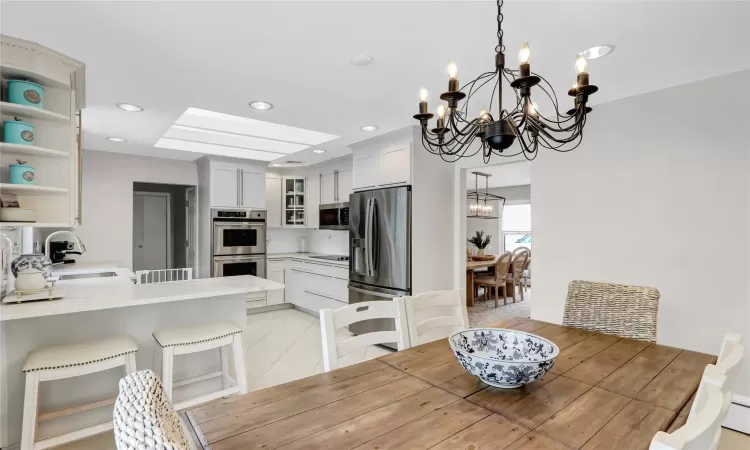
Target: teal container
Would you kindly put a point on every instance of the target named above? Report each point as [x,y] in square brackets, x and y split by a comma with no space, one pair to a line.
[21,174]
[17,132]
[26,93]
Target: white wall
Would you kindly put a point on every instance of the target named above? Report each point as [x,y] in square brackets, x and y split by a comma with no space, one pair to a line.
[656,195]
[107,229]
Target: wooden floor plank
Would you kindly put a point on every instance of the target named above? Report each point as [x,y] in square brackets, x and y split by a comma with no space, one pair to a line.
[362,429]
[601,365]
[239,403]
[632,428]
[575,424]
[464,385]
[226,427]
[533,409]
[580,352]
[673,387]
[442,373]
[491,433]
[634,375]
[536,441]
[499,399]
[303,425]
[430,429]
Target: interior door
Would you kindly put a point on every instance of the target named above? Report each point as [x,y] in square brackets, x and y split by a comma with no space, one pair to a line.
[151,231]
[225,187]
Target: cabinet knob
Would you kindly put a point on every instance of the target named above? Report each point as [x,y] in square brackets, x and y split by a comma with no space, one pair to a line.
[140,246]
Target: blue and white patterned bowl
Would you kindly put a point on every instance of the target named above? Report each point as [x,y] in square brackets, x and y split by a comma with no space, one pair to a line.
[503,358]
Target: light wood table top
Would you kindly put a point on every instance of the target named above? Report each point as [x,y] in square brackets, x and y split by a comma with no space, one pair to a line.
[602,393]
[471,265]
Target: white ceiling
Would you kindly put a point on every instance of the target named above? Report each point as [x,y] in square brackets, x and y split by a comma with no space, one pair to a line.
[169,56]
[502,175]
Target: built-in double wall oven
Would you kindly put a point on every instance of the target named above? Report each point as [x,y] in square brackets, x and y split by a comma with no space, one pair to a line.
[238,242]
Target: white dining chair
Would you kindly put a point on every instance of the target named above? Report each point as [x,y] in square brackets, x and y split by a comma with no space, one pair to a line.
[144,417]
[434,315]
[703,427]
[334,319]
[728,364]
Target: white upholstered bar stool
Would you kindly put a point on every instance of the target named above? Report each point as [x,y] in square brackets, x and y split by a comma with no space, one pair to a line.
[186,340]
[65,361]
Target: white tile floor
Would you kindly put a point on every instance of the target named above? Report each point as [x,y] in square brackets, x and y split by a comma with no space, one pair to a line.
[286,345]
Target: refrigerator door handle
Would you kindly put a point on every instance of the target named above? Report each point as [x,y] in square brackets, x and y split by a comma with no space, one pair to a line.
[368,238]
[374,294]
[374,238]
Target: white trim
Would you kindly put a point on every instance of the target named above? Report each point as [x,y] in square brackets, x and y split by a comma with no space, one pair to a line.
[739,414]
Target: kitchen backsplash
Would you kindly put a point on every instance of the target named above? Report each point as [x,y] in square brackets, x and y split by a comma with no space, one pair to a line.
[284,240]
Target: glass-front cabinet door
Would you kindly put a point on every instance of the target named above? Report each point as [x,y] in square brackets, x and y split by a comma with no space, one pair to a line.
[294,201]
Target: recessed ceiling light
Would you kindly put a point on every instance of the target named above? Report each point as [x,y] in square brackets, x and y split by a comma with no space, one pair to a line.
[261,105]
[369,128]
[362,60]
[116,139]
[129,107]
[597,51]
[275,165]
[319,150]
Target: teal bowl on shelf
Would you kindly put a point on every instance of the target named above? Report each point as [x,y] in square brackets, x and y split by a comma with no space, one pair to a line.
[23,92]
[21,174]
[18,132]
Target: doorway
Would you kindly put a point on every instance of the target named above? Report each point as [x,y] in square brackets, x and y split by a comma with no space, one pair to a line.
[164,226]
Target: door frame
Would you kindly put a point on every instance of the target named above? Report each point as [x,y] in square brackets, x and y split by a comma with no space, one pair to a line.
[169,222]
[192,237]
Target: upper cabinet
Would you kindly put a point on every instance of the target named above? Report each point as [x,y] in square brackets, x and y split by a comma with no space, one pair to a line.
[344,185]
[383,165]
[43,94]
[273,200]
[235,185]
[295,189]
[335,186]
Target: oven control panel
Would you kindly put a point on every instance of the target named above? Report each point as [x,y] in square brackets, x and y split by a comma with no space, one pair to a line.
[238,214]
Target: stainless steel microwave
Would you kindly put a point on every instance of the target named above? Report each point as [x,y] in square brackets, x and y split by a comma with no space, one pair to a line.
[334,216]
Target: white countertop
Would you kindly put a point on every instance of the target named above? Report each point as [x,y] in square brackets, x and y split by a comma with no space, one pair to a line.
[119,292]
[91,267]
[306,256]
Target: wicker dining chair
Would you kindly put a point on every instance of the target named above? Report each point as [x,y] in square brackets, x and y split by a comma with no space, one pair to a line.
[144,417]
[619,309]
[497,279]
[518,266]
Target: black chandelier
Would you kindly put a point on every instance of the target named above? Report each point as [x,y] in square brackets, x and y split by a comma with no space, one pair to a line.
[453,136]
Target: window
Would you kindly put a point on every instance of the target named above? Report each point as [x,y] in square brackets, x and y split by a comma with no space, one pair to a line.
[516,227]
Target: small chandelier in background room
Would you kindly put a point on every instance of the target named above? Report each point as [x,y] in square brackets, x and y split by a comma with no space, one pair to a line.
[481,204]
[454,133]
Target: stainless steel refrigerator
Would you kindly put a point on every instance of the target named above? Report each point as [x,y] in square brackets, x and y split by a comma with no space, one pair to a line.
[379,250]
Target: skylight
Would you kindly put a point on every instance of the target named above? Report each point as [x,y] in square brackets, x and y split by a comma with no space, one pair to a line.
[213,133]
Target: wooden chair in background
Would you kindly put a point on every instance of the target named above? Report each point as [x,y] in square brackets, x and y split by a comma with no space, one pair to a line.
[498,279]
[518,266]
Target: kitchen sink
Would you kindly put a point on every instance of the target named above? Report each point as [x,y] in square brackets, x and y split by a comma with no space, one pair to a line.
[78,276]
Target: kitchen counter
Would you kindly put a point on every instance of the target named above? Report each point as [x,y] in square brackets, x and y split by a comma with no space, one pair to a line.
[306,257]
[100,308]
[120,292]
[90,267]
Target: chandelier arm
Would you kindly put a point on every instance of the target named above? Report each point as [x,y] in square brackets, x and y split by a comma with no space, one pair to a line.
[565,118]
[492,97]
[580,114]
[518,99]
[472,91]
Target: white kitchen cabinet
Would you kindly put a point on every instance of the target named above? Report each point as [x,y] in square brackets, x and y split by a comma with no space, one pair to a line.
[365,166]
[312,200]
[273,201]
[276,273]
[394,166]
[316,286]
[225,184]
[295,189]
[253,188]
[344,185]
[327,188]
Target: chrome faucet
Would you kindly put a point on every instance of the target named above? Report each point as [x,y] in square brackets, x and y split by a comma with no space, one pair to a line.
[76,239]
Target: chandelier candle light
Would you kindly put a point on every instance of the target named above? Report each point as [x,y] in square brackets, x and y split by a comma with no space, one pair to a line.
[452,137]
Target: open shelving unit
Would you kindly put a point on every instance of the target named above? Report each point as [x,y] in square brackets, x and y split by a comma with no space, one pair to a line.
[55,154]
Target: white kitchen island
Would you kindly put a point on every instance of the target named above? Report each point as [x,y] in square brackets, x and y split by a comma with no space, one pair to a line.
[104,307]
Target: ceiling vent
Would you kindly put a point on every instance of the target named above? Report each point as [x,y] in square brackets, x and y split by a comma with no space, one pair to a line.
[292,162]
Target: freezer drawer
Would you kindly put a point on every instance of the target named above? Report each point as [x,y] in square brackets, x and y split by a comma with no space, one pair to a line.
[359,294]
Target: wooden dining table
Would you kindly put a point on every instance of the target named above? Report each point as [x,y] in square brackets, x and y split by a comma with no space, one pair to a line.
[603,392]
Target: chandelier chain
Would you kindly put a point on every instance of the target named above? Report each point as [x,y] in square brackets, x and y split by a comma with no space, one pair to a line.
[500,48]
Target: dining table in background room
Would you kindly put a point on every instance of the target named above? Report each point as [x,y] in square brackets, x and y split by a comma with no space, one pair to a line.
[603,393]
